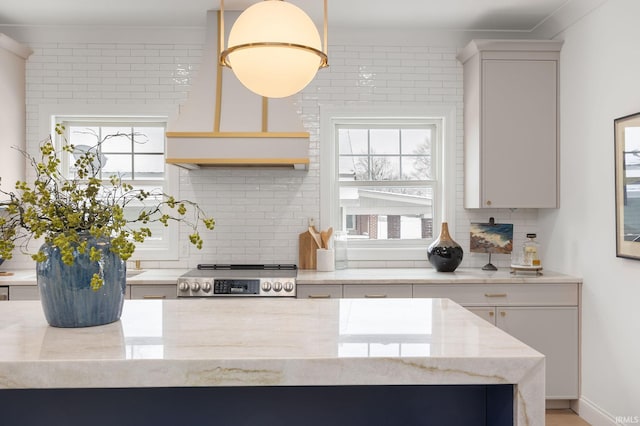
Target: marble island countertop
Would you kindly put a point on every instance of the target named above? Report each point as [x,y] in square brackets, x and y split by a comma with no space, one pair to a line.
[290,342]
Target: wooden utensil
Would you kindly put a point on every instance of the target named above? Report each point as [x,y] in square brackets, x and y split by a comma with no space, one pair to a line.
[325,236]
[316,236]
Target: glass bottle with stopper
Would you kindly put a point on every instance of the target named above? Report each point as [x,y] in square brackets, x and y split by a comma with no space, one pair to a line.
[530,251]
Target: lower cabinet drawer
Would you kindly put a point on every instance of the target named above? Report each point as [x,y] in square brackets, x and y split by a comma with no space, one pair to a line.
[154,291]
[502,294]
[24,292]
[326,291]
[377,291]
[487,313]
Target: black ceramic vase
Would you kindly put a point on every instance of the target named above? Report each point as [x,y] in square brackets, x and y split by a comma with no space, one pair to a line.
[444,254]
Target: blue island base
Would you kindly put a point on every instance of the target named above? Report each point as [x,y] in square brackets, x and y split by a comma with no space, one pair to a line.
[441,405]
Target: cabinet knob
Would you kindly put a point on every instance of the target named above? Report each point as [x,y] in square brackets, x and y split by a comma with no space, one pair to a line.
[503,314]
[491,313]
[488,202]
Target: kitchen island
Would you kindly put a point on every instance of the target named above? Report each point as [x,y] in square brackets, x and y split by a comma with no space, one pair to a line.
[416,361]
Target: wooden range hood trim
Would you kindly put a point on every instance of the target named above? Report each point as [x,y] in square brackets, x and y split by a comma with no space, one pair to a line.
[238,134]
[195,163]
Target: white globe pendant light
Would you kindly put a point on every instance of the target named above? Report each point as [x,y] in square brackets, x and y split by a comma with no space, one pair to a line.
[274,49]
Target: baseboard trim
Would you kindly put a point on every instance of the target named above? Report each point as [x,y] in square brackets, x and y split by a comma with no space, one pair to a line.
[558,404]
[593,414]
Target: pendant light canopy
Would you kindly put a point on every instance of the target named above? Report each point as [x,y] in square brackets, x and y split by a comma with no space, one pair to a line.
[274,48]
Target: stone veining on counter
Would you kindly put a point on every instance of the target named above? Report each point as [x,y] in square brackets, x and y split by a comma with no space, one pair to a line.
[316,342]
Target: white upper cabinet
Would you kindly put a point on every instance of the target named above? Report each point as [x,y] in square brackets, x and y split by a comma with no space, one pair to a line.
[511,125]
[12,112]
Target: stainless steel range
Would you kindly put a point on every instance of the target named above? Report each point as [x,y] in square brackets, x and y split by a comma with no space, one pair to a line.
[213,280]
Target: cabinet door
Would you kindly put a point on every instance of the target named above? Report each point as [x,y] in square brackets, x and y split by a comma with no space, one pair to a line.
[154,291]
[327,291]
[486,313]
[377,291]
[552,331]
[24,292]
[519,133]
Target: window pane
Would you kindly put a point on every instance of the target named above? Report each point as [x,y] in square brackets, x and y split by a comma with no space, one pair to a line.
[354,168]
[385,141]
[416,141]
[118,164]
[116,143]
[151,139]
[84,135]
[353,141]
[416,168]
[149,167]
[387,212]
[384,168]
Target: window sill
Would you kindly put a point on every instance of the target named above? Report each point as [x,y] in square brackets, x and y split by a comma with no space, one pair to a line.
[387,254]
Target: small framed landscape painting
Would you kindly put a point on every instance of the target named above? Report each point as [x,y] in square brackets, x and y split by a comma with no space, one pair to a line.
[491,238]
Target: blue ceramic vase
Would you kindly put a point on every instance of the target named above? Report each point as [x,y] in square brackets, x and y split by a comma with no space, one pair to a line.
[65,291]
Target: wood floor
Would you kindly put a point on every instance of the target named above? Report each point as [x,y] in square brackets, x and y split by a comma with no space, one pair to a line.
[563,418]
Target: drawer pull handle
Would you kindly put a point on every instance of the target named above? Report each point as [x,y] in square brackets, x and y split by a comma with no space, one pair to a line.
[375,296]
[154,297]
[319,296]
[495,295]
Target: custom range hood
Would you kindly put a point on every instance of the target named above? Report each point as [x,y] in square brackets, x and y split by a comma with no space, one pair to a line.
[222,123]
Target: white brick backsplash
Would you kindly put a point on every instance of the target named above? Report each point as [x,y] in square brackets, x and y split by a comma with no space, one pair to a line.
[260,211]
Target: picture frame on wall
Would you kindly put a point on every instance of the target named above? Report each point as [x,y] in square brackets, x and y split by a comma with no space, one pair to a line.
[627,181]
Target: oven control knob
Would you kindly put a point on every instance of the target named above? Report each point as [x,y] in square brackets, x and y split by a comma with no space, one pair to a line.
[277,286]
[195,286]
[266,286]
[288,286]
[206,286]
[184,286]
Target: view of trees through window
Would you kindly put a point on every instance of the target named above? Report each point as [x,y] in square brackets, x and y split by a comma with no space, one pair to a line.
[387,181]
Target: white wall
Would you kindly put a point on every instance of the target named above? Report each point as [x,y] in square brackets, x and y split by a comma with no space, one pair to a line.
[600,81]
[259,211]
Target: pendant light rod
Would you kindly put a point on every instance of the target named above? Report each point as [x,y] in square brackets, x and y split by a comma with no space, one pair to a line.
[221,33]
[326,63]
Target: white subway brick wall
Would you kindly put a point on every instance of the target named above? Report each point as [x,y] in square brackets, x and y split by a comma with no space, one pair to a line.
[259,211]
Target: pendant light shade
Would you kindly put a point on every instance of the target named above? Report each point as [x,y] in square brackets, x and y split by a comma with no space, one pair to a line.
[274,49]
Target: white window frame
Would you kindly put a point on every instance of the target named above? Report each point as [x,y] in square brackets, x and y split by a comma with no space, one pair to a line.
[168,248]
[388,250]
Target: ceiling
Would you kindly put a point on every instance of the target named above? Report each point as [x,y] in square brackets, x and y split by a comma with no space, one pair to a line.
[468,15]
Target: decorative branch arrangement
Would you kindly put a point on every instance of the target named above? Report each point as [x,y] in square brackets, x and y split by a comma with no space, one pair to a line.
[62,209]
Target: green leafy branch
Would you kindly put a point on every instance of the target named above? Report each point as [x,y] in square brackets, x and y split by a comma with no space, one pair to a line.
[62,209]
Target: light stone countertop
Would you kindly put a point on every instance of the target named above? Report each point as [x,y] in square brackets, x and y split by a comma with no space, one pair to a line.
[203,342]
[429,276]
[143,276]
[346,276]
